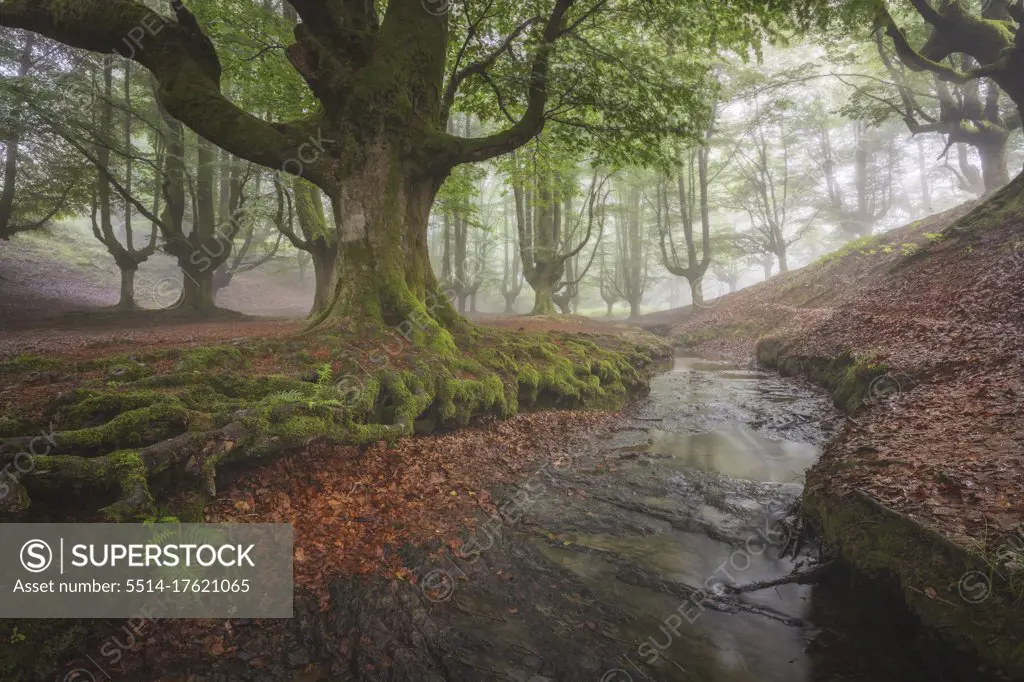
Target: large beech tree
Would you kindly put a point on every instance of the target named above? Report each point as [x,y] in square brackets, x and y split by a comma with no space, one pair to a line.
[386,77]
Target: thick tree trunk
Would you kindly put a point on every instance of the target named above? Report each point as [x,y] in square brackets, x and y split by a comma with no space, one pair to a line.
[543,300]
[610,310]
[222,277]
[382,270]
[783,264]
[697,292]
[197,291]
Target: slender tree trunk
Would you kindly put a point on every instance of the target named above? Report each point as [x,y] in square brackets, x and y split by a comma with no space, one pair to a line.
[127,300]
[993,165]
[11,146]
[324,258]
[922,169]
[319,241]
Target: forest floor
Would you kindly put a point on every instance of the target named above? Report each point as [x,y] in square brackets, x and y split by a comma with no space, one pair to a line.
[917,331]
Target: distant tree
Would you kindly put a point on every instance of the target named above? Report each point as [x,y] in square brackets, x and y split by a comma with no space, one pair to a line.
[770,187]
[874,167]
[41,175]
[512,271]
[632,247]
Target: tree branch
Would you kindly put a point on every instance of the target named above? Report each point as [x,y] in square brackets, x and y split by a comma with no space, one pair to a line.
[183,62]
[532,121]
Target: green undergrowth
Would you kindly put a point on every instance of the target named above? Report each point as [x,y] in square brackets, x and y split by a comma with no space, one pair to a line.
[164,428]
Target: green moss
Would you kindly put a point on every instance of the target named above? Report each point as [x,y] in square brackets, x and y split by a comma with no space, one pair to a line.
[45,645]
[199,359]
[27,362]
[128,372]
[301,429]
[10,427]
[92,407]
[130,429]
[848,376]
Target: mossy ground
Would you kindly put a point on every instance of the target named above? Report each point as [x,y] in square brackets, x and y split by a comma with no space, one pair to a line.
[254,398]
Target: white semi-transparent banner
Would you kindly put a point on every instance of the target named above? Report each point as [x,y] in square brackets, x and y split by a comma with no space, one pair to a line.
[162,570]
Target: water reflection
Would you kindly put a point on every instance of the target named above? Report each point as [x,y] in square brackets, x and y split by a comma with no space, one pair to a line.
[738,451]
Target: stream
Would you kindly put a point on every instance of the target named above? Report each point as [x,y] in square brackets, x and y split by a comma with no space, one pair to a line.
[617,564]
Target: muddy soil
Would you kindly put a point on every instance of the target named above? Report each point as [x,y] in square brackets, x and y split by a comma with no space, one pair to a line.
[614,564]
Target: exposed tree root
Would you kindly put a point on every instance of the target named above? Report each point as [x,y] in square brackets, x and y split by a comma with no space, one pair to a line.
[137,442]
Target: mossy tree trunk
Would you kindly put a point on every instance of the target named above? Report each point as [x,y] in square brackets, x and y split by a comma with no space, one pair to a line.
[207,245]
[993,164]
[962,47]
[382,273]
